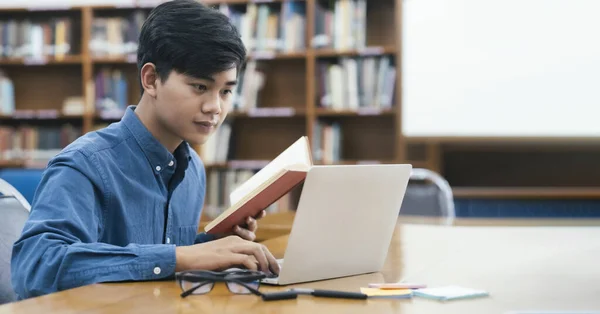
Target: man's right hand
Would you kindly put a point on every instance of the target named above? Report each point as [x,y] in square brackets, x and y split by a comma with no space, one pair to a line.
[231,251]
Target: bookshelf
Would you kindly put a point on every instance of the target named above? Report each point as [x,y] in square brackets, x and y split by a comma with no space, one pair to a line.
[294,47]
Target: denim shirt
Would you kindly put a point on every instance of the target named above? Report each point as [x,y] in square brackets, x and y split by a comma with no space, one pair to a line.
[112,206]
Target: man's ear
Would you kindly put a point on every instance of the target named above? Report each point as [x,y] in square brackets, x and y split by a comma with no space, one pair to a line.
[149,79]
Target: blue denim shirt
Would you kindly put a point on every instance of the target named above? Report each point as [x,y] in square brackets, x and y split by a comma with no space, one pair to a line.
[111,206]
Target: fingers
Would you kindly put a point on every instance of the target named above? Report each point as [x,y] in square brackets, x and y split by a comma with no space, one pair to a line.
[274,266]
[247,260]
[244,233]
[256,250]
[260,215]
[252,224]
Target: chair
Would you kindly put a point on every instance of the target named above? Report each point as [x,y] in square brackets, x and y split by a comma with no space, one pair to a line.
[14,210]
[428,194]
[25,181]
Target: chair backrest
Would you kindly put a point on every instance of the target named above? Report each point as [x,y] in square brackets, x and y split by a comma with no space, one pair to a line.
[8,190]
[25,180]
[14,215]
[428,194]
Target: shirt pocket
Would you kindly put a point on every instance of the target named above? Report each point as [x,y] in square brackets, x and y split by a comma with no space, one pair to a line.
[187,235]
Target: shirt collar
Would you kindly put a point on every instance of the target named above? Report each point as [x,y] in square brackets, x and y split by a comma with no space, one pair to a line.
[157,154]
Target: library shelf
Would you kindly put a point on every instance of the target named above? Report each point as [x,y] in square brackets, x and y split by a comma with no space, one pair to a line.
[41,61]
[361,52]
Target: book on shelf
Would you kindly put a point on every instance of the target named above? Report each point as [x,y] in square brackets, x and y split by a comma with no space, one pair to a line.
[251,82]
[356,83]
[36,40]
[110,92]
[327,141]
[36,144]
[7,95]
[266,27]
[116,36]
[264,188]
[340,24]
[216,148]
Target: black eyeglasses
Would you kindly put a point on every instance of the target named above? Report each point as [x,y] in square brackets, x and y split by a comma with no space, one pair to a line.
[241,281]
[238,281]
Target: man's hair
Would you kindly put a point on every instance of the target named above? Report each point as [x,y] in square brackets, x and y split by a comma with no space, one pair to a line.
[190,38]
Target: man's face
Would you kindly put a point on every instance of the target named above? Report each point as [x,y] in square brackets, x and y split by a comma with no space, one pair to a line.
[192,108]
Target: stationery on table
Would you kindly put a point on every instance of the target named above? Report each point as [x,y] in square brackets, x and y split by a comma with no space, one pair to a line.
[387,293]
[447,293]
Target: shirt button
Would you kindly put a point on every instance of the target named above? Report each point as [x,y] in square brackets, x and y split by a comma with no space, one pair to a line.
[168,240]
[171,163]
[158,168]
[157,270]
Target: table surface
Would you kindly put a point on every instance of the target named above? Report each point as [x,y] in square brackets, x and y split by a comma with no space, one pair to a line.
[525,266]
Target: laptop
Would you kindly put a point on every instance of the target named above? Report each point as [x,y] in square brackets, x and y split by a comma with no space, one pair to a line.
[344,222]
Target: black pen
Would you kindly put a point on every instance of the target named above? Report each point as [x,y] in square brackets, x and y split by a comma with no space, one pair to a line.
[331,294]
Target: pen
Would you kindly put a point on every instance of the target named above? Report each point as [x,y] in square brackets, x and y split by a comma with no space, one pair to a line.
[331,293]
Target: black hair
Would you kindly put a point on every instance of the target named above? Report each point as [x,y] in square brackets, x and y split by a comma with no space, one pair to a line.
[190,38]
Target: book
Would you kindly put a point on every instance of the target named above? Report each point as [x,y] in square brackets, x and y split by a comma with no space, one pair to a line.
[265,187]
[447,293]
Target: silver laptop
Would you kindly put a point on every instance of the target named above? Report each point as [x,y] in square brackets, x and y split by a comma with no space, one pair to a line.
[344,222]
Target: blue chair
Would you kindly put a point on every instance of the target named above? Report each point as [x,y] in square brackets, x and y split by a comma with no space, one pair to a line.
[25,181]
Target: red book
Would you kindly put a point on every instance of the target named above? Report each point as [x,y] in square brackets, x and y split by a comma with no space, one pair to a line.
[267,186]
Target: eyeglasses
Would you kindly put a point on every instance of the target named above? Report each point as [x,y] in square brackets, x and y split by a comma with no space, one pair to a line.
[238,281]
[241,281]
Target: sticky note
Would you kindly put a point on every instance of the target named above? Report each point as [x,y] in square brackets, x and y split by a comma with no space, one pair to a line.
[449,293]
[387,293]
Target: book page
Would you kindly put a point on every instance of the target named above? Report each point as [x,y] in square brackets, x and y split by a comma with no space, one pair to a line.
[297,153]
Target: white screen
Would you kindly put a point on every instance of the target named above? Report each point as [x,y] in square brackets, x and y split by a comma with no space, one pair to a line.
[501,68]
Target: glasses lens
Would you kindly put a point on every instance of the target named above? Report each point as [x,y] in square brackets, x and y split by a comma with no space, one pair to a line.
[203,286]
[240,289]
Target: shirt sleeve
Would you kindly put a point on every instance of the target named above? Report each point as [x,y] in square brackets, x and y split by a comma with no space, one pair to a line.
[204,237]
[59,249]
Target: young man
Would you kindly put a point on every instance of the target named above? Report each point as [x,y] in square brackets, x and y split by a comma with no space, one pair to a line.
[123,203]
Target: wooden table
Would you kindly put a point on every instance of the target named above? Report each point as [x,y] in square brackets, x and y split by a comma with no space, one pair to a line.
[523,267]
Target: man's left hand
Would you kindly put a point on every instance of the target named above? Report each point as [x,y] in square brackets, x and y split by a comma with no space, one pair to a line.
[248,231]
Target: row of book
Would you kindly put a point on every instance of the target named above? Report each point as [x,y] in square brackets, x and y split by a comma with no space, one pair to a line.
[327,141]
[7,95]
[354,83]
[36,144]
[220,184]
[36,40]
[111,92]
[216,148]
[116,36]
[250,82]
[266,27]
[340,24]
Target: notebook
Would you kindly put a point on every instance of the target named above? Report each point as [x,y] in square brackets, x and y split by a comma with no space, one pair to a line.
[449,293]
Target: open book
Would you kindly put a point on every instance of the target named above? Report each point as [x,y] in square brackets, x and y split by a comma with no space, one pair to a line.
[265,187]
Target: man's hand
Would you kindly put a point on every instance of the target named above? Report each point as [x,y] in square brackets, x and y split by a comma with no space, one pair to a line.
[247,231]
[231,251]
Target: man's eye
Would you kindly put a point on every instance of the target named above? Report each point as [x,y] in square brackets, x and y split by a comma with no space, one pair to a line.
[227,91]
[200,87]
